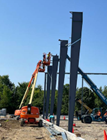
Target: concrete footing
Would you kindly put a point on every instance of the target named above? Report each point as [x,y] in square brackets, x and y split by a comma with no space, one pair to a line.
[70,136]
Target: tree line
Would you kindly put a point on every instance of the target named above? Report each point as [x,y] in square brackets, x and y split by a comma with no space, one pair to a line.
[11,96]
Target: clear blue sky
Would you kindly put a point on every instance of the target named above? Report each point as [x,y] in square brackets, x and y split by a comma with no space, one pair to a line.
[28,28]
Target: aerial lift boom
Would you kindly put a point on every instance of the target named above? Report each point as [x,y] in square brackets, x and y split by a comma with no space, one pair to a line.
[34,76]
[18,111]
[30,114]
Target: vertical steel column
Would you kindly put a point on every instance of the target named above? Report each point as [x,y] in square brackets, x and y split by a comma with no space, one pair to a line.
[54,74]
[63,56]
[49,70]
[75,49]
[44,96]
[82,97]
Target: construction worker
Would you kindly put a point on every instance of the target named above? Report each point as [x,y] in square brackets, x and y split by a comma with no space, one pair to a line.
[44,57]
[48,57]
[52,118]
[98,114]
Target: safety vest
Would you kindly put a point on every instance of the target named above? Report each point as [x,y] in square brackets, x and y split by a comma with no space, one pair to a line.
[99,113]
[105,114]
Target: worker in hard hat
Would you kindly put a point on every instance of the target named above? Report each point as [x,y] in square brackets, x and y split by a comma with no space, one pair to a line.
[48,56]
[44,59]
[98,114]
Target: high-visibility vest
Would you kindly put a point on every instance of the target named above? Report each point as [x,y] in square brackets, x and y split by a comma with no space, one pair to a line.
[105,114]
[98,113]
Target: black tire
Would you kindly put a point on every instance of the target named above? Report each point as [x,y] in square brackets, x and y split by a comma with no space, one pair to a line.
[82,120]
[87,119]
[17,118]
[40,123]
[22,122]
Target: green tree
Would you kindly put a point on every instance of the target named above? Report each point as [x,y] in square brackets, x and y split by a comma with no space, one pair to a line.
[7,92]
[4,80]
[55,102]
[20,91]
[65,99]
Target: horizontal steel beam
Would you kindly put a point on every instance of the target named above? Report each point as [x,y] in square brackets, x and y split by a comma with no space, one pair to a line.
[86,73]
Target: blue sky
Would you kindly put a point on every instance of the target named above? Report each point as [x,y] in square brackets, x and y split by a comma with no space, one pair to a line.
[28,28]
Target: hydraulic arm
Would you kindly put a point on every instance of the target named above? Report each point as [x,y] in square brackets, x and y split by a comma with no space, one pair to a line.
[34,77]
[21,110]
[93,86]
[33,86]
[89,109]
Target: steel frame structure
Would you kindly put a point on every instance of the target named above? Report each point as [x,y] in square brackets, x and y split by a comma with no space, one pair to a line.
[77,19]
[75,48]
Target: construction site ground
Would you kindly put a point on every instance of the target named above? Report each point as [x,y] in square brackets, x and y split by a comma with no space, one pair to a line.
[93,131]
[11,130]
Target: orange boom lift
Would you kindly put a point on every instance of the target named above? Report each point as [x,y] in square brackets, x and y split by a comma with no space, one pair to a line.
[31,114]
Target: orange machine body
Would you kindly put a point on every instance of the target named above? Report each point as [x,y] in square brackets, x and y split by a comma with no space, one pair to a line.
[34,113]
[47,63]
[17,112]
[41,70]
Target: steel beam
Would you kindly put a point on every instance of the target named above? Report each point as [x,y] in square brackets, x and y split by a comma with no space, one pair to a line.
[82,97]
[63,56]
[44,101]
[54,76]
[75,49]
[86,73]
[49,70]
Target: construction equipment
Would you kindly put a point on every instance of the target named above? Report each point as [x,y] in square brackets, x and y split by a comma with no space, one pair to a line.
[88,108]
[94,112]
[93,116]
[31,114]
[98,93]
[18,112]
[93,86]
[86,118]
[90,115]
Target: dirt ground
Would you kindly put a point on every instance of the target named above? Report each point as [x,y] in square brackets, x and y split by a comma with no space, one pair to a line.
[11,130]
[93,131]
